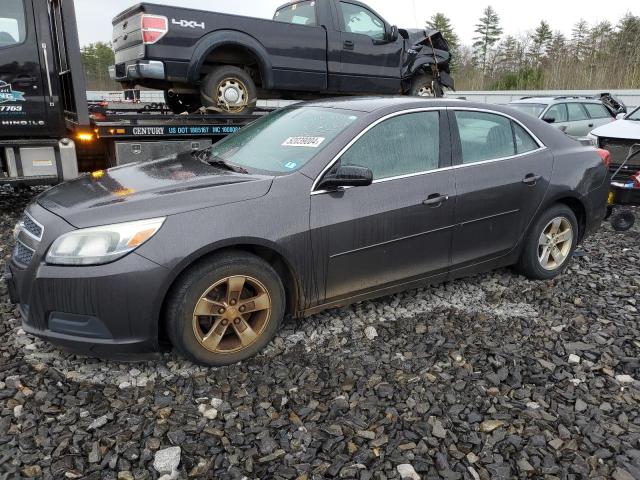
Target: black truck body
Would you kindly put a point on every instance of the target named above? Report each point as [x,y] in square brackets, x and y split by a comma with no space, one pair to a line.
[47,133]
[329,47]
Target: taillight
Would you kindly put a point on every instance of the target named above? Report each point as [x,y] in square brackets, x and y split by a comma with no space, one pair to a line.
[605,156]
[154,27]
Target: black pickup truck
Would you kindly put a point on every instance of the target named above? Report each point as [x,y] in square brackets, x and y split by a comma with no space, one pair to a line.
[310,48]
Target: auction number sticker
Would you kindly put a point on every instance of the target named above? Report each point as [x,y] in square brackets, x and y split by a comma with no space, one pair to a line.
[303,141]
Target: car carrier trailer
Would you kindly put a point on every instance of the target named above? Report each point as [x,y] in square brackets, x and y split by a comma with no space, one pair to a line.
[47,134]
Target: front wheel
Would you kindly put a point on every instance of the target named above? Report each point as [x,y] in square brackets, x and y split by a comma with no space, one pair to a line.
[225,310]
[229,89]
[425,86]
[550,244]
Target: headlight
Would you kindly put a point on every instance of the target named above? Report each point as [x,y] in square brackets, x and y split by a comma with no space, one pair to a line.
[100,245]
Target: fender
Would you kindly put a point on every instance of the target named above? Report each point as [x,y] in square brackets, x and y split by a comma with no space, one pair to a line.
[210,42]
[429,56]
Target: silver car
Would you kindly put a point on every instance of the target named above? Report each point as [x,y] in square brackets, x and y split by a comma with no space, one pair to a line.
[575,116]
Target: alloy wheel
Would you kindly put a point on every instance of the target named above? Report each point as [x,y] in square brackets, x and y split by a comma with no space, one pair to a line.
[232,95]
[555,243]
[232,314]
[426,91]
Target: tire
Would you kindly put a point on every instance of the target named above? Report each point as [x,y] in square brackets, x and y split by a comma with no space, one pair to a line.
[531,265]
[623,221]
[189,332]
[228,83]
[178,103]
[424,86]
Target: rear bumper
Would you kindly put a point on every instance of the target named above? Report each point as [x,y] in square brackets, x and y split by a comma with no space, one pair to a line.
[138,70]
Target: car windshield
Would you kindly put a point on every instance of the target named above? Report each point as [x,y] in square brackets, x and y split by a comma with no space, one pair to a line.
[533,109]
[635,115]
[283,141]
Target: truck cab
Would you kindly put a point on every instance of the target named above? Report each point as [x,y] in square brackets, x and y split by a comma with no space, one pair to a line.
[30,90]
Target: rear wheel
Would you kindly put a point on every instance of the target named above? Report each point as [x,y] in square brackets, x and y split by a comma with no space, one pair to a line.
[230,90]
[181,103]
[550,244]
[225,310]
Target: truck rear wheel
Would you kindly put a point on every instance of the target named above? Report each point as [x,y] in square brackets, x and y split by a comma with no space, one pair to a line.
[179,103]
[425,86]
[229,89]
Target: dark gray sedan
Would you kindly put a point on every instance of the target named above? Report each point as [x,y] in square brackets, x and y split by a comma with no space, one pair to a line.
[312,207]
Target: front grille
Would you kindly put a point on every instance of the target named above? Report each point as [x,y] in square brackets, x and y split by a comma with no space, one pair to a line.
[32,227]
[22,254]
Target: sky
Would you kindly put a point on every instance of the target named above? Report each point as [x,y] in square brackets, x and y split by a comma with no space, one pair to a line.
[517,17]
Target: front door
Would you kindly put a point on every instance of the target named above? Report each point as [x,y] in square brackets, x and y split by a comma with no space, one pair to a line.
[369,63]
[23,111]
[502,175]
[399,228]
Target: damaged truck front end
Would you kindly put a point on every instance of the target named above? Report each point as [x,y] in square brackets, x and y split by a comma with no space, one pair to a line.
[427,59]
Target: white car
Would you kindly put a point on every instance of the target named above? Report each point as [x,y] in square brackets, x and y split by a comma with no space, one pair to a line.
[618,138]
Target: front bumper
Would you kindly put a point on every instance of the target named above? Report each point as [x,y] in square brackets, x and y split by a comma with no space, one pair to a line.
[137,70]
[99,310]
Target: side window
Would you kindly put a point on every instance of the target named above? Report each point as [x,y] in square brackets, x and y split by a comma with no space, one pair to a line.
[12,23]
[301,13]
[524,142]
[559,112]
[576,112]
[399,146]
[484,136]
[597,111]
[358,19]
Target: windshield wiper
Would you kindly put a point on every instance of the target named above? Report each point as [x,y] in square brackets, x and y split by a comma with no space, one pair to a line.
[218,162]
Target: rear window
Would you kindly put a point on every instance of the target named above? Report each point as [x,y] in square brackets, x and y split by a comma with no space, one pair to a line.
[12,23]
[597,111]
[301,13]
[533,109]
[576,112]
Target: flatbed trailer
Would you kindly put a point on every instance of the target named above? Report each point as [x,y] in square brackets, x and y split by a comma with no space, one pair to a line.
[47,132]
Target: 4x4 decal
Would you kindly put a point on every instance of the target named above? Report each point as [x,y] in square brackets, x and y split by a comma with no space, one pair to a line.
[8,94]
[188,23]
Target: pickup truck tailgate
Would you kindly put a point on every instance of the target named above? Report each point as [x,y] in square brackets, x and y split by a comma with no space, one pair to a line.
[127,31]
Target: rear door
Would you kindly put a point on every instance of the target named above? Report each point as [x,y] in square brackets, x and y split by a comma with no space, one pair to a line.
[23,107]
[579,124]
[369,63]
[502,174]
[599,115]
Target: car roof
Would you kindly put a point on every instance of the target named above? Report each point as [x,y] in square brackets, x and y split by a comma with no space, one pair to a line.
[373,104]
[542,100]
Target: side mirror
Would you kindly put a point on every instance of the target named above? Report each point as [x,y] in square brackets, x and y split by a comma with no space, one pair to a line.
[393,34]
[347,176]
[549,119]
[621,116]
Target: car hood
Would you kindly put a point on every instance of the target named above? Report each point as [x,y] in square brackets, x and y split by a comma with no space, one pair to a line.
[147,190]
[626,129]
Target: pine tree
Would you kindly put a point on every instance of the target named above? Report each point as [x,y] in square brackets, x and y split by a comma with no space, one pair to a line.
[488,32]
[580,40]
[540,43]
[441,22]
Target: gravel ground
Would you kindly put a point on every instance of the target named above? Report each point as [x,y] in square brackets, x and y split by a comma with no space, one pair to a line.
[494,376]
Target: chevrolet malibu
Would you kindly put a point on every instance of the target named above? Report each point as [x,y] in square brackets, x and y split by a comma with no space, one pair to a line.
[312,207]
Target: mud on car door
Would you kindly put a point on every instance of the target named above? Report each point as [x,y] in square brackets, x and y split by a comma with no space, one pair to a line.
[23,111]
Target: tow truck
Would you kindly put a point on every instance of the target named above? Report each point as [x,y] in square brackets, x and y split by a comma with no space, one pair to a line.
[47,132]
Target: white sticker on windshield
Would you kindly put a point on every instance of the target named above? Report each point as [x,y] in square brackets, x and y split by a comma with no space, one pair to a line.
[303,141]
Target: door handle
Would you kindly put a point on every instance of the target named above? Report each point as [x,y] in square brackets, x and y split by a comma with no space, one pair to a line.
[25,79]
[563,129]
[531,179]
[435,200]
[348,44]
[591,125]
